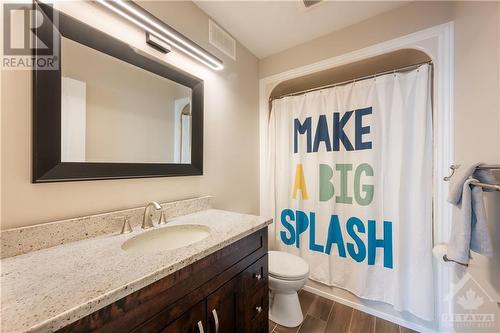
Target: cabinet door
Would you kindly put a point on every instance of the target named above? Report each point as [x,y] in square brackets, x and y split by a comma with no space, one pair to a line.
[221,308]
[193,321]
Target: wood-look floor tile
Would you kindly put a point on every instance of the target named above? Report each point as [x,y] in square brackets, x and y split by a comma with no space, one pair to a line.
[306,299]
[384,326]
[361,322]
[282,329]
[320,308]
[325,316]
[339,320]
[405,330]
[312,325]
[271,326]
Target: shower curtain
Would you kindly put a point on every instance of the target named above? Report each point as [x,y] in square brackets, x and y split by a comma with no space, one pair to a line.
[349,177]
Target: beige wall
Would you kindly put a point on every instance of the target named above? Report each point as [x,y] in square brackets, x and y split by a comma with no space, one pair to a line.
[477,85]
[477,54]
[231,133]
[398,22]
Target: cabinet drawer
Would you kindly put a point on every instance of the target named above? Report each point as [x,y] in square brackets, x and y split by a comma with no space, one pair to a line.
[255,297]
[255,276]
[255,310]
[258,303]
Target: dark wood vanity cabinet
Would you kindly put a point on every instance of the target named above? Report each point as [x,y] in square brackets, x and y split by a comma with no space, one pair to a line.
[225,292]
[239,305]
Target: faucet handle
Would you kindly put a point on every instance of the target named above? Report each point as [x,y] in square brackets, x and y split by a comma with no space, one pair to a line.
[163,219]
[126,228]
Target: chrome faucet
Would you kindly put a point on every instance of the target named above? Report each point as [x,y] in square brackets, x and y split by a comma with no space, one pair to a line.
[147,221]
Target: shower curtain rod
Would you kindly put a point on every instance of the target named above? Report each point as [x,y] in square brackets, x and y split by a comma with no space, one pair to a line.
[397,70]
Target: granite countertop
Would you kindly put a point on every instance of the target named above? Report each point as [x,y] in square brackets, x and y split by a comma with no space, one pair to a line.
[45,290]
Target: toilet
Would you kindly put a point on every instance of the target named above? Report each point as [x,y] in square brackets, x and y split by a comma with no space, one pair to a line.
[288,273]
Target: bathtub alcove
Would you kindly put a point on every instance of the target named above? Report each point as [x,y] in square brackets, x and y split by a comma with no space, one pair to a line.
[386,62]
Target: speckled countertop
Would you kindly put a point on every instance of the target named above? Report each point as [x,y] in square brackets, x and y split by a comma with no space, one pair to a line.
[45,290]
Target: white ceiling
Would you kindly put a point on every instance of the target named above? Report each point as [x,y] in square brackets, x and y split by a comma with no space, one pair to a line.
[268,27]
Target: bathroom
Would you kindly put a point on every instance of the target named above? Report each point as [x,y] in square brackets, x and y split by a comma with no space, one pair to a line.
[249,166]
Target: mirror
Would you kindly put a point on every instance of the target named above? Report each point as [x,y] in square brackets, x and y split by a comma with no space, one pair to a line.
[115,112]
[110,111]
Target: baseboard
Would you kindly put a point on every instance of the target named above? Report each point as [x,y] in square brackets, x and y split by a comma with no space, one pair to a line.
[369,310]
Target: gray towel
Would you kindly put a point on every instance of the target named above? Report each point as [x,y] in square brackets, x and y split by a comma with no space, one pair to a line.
[469,231]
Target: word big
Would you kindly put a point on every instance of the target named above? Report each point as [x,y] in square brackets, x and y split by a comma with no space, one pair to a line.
[363,193]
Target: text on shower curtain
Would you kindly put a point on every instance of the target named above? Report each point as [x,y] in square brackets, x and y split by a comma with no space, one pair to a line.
[346,240]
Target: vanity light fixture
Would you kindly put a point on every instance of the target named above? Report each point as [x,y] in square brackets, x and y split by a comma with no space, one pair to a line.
[157,43]
[152,25]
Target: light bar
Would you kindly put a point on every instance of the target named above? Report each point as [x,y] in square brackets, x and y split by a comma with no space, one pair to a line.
[140,17]
[157,43]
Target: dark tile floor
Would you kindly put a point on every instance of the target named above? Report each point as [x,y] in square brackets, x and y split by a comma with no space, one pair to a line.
[325,316]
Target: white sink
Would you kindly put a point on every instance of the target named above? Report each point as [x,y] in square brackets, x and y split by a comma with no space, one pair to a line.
[166,238]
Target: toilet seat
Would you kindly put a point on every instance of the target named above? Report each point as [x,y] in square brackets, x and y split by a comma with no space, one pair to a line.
[286,266]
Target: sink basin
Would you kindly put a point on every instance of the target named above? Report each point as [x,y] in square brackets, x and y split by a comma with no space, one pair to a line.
[166,238]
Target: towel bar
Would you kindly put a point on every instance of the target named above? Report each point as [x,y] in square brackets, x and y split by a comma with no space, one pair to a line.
[494,187]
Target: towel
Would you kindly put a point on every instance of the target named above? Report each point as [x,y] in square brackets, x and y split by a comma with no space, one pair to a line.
[469,231]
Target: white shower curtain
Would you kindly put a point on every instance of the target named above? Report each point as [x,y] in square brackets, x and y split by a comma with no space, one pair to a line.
[349,176]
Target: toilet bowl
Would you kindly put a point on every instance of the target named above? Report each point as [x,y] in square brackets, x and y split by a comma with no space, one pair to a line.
[287,275]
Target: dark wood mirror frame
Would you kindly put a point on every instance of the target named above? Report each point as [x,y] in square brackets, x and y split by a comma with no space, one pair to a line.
[47,165]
